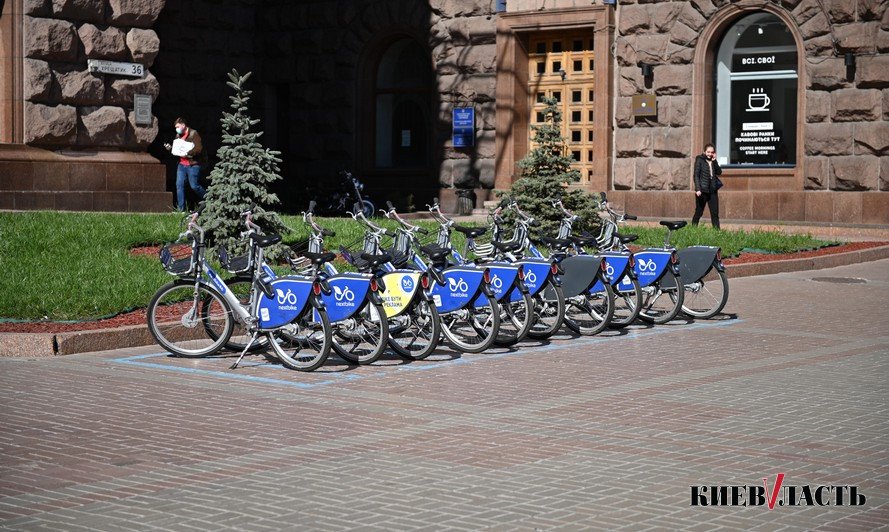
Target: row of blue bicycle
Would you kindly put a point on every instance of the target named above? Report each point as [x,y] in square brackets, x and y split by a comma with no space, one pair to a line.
[411,295]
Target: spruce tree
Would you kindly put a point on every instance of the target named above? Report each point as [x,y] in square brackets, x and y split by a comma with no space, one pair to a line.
[546,169]
[241,177]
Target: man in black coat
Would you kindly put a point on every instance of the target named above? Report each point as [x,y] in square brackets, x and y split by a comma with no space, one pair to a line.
[705,176]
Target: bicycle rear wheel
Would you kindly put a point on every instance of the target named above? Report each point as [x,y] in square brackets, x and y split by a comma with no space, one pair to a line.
[415,333]
[189,321]
[662,300]
[362,338]
[474,329]
[589,314]
[627,305]
[304,344]
[707,296]
[516,318]
[549,311]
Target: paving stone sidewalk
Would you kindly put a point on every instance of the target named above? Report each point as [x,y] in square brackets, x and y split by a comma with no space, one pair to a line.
[581,433]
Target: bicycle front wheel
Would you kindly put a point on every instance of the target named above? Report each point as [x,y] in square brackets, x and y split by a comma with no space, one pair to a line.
[707,296]
[549,311]
[474,329]
[589,314]
[362,338]
[304,344]
[627,305]
[662,300]
[241,287]
[189,320]
[516,318]
[415,333]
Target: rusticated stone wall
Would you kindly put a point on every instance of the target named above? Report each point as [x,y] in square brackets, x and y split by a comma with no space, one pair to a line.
[845,132]
[66,106]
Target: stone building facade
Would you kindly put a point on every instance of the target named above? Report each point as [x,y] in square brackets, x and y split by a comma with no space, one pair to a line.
[795,94]
[68,137]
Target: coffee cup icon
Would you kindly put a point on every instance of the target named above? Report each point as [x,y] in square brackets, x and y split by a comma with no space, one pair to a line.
[758,102]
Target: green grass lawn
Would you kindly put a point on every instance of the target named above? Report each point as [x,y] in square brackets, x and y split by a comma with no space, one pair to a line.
[75,266]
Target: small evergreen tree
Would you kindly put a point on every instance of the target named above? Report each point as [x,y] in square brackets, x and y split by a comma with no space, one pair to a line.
[546,169]
[241,178]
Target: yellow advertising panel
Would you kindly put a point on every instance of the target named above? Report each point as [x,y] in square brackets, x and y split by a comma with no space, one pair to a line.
[400,290]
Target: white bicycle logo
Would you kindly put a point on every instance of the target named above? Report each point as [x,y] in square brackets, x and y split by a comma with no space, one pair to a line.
[647,265]
[458,286]
[530,278]
[289,298]
[609,270]
[343,293]
[496,282]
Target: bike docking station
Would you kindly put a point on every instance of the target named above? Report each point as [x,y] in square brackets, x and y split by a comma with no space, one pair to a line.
[411,297]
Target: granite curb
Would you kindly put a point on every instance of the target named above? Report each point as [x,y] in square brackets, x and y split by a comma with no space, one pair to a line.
[68,343]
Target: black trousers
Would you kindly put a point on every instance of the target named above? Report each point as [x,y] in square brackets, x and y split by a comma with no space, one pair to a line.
[707,198]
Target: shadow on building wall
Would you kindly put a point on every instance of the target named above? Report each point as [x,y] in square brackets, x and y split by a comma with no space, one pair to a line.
[314,63]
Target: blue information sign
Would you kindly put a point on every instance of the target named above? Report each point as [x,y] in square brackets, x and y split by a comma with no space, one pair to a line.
[464,127]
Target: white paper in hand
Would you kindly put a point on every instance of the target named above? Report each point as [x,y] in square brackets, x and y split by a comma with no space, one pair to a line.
[181,147]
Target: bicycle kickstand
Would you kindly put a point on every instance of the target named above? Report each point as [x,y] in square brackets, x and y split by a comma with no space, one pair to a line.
[244,352]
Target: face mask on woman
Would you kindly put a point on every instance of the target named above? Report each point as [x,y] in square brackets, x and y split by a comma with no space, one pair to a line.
[180,130]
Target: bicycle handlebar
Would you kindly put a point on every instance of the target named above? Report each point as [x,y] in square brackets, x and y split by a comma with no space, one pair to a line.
[393,215]
[358,216]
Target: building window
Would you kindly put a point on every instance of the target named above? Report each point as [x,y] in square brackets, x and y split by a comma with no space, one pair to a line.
[756,93]
[402,95]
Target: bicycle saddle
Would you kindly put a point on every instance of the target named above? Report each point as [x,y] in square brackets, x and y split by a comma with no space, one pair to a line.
[506,247]
[555,243]
[374,261]
[398,259]
[626,239]
[672,226]
[265,241]
[585,240]
[471,232]
[319,258]
[436,253]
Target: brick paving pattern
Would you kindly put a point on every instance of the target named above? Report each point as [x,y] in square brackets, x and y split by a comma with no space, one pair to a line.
[580,433]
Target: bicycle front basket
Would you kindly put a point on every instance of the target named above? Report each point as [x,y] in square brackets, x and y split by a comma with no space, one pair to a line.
[177,258]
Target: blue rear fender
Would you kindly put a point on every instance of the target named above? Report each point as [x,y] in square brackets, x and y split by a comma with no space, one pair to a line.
[651,264]
[537,271]
[462,285]
[291,299]
[617,265]
[348,294]
[504,280]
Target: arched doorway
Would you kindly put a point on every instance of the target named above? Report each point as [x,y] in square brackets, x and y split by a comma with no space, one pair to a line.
[755,94]
[401,155]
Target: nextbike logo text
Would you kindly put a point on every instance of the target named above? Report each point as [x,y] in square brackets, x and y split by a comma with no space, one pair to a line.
[458,287]
[343,296]
[407,284]
[286,301]
[530,278]
[777,494]
[646,267]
